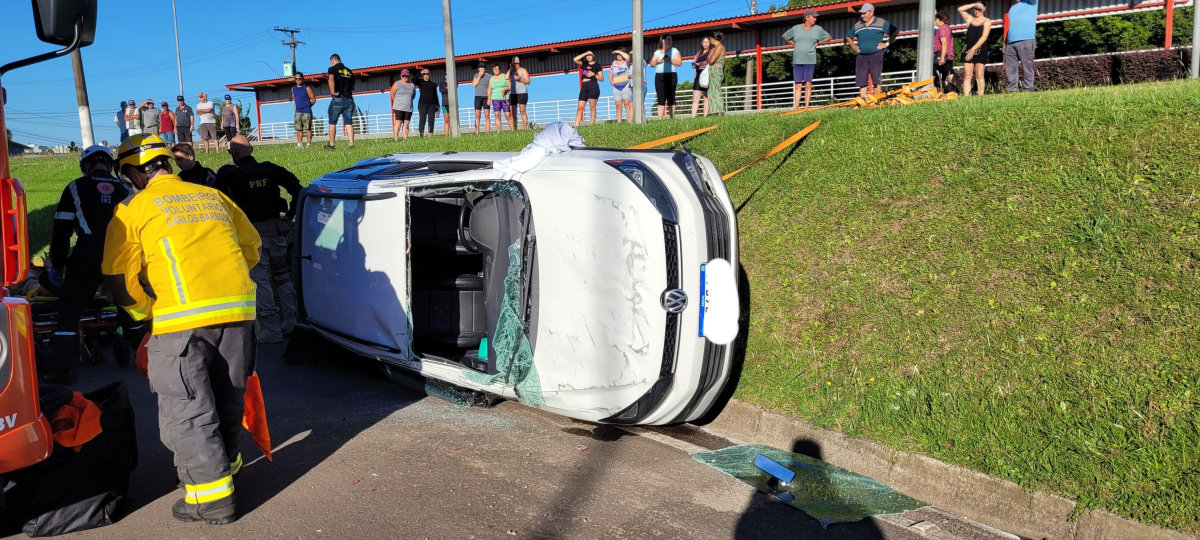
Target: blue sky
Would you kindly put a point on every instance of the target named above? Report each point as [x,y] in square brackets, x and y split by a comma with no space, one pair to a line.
[134,53]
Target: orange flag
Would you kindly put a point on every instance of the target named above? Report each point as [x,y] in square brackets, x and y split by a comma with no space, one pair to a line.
[254,419]
[790,141]
[143,358]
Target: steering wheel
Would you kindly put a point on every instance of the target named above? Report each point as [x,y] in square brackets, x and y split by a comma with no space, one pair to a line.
[464,231]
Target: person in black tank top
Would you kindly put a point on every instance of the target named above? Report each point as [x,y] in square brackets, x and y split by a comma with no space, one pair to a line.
[976,53]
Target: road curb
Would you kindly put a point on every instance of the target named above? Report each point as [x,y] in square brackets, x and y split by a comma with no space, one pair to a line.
[971,494]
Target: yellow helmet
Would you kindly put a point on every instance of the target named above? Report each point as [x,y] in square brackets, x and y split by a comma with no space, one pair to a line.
[141,149]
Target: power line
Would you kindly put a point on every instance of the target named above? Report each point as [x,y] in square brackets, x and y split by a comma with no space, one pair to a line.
[623,28]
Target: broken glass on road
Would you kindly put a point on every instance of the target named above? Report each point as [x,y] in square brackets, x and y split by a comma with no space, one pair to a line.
[827,493]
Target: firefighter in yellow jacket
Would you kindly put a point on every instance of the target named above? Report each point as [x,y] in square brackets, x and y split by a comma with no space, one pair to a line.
[193,249]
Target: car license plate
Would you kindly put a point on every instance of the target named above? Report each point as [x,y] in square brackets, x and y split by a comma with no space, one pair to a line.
[719,308]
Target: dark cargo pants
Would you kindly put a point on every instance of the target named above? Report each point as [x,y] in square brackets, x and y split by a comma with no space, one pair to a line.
[273,275]
[200,377]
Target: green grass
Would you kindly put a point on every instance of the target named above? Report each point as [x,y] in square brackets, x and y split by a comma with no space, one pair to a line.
[1007,283]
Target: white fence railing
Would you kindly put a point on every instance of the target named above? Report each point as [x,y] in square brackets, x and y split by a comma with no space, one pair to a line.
[739,99]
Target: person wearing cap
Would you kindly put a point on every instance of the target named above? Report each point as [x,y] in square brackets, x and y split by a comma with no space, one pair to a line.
[518,80]
[121,122]
[230,118]
[303,97]
[166,123]
[1020,44]
[866,37]
[184,120]
[208,122]
[133,118]
[401,97]
[341,102]
[183,252]
[149,117]
[481,82]
[804,39]
[83,211]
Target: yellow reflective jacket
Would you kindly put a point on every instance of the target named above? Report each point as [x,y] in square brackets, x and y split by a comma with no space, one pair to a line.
[196,249]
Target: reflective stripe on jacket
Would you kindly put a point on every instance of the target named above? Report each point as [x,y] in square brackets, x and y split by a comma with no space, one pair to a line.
[196,247]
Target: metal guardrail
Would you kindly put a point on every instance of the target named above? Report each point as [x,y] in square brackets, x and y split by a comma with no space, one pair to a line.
[739,99]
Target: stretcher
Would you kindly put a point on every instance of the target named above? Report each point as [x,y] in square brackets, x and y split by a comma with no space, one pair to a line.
[99,337]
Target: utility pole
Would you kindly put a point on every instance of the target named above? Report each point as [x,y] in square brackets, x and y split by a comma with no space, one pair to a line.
[451,71]
[925,12]
[1195,48]
[81,97]
[291,32]
[178,62]
[638,66]
[753,7]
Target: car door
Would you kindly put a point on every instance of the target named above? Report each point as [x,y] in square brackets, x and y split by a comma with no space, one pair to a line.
[353,263]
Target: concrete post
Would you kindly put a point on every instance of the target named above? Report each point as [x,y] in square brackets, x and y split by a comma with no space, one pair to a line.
[1195,49]
[451,71]
[639,66]
[81,98]
[925,12]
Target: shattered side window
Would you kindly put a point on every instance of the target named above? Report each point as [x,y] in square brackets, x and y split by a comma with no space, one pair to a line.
[827,493]
[514,356]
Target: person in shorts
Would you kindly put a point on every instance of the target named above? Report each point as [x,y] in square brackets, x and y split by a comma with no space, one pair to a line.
[866,37]
[590,75]
[804,38]
[481,83]
[149,117]
[518,98]
[208,122]
[341,104]
[302,96]
[622,83]
[401,94]
[975,55]
[498,96]
[444,89]
[184,120]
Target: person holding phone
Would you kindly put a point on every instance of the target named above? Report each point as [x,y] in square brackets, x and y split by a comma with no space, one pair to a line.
[699,63]
[665,62]
[590,73]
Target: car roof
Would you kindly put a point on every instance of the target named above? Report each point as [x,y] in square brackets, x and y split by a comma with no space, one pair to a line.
[386,167]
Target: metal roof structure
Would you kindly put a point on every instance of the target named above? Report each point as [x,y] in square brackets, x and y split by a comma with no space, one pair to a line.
[743,35]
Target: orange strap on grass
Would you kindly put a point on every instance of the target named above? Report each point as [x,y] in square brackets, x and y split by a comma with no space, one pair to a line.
[671,139]
[790,141]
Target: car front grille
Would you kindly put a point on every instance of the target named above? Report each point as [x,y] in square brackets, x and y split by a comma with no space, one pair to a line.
[671,341]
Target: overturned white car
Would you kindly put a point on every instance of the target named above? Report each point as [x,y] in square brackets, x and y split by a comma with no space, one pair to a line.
[599,284]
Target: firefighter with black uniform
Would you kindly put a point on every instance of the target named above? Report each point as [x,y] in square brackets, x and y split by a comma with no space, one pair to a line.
[84,210]
[183,253]
[254,187]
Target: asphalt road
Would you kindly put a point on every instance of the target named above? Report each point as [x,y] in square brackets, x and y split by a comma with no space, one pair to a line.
[360,457]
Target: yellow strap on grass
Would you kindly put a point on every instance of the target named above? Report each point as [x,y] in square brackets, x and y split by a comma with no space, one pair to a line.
[790,141]
[671,139]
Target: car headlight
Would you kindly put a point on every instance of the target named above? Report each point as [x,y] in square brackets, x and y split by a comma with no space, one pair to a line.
[651,186]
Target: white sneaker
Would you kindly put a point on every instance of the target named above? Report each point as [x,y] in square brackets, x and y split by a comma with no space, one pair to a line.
[306,145]
[298,145]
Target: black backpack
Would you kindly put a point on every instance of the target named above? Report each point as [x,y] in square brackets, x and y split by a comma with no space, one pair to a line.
[75,491]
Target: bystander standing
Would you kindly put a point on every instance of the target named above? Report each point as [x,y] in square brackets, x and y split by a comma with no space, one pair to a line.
[498,96]
[121,124]
[481,82]
[302,96]
[184,120]
[804,39]
[976,56]
[665,61]
[444,90]
[402,93]
[230,118]
[518,98]
[166,123]
[716,74]
[622,83]
[149,117]
[590,73]
[700,82]
[1020,44]
[427,104]
[866,37]
[133,119]
[208,123]
[341,103]
[943,53]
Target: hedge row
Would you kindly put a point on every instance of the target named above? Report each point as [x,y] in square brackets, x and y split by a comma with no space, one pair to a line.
[1117,68]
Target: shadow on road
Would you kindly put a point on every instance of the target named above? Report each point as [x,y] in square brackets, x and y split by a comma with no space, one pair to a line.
[767,517]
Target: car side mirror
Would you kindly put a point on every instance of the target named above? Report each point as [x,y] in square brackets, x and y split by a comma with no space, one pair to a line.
[55,21]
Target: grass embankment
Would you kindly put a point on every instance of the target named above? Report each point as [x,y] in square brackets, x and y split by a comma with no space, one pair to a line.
[1008,283]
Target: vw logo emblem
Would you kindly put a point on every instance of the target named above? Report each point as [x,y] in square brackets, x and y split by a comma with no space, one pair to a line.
[674,300]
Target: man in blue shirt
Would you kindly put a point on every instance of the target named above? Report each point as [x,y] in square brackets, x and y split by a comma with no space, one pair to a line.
[1020,43]
[869,33]
[302,96]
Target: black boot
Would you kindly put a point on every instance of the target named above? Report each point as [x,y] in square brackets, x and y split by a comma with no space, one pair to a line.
[216,513]
[65,350]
